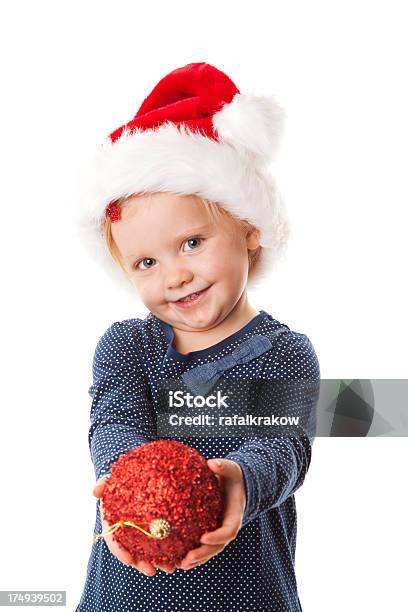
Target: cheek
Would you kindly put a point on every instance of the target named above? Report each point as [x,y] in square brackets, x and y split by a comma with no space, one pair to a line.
[228,259]
[146,290]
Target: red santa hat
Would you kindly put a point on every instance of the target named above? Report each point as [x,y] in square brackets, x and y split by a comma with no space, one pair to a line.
[195,133]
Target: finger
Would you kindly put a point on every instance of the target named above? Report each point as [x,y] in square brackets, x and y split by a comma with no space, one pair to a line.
[202,552]
[145,567]
[166,567]
[115,548]
[225,468]
[118,551]
[100,486]
[230,480]
[149,569]
[223,535]
[198,559]
[232,518]
[228,530]
[124,555]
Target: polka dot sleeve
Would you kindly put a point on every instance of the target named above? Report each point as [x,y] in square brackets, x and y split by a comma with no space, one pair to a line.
[122,416]
[275,467]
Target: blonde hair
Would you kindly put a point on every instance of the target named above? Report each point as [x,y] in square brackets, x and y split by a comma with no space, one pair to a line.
[214,209]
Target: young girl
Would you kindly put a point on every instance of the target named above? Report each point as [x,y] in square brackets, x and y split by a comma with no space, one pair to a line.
[182,208]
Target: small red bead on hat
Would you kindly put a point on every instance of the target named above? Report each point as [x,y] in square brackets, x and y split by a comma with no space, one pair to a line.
[113,211]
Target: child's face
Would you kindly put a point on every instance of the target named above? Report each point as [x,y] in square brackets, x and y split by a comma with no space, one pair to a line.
[170,248]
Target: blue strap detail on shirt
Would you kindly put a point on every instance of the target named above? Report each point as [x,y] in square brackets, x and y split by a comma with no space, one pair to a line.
[201,379]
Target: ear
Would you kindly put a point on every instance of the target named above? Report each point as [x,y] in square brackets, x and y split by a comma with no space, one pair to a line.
[252,239]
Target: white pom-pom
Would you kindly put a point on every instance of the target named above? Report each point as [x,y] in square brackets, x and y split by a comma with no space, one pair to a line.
[253,125]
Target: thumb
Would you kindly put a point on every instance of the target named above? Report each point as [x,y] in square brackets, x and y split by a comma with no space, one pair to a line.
[217,465]
[224,467]
[100,486]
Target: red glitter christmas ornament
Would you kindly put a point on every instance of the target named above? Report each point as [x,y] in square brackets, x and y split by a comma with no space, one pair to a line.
[159,500]
[113,211]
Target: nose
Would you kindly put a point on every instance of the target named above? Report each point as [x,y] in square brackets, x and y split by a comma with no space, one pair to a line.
[177,276]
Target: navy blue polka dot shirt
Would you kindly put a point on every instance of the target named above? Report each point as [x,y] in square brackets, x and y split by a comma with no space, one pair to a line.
[255,572]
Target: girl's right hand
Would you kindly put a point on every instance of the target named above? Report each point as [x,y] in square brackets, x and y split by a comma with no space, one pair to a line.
[116,549]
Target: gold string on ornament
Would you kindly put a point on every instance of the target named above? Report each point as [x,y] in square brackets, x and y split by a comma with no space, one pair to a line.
[159,529]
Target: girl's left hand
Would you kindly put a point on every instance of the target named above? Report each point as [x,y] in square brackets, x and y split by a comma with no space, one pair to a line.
[231,480]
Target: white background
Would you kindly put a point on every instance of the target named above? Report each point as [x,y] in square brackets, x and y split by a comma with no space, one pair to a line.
[72,72]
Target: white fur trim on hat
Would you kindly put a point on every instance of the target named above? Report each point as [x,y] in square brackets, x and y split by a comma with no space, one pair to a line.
[231,171]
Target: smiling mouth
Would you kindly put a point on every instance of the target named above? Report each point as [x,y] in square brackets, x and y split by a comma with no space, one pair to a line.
[191,296]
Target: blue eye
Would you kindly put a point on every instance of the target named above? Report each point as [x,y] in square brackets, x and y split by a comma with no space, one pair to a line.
[147,260]
[190,242]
